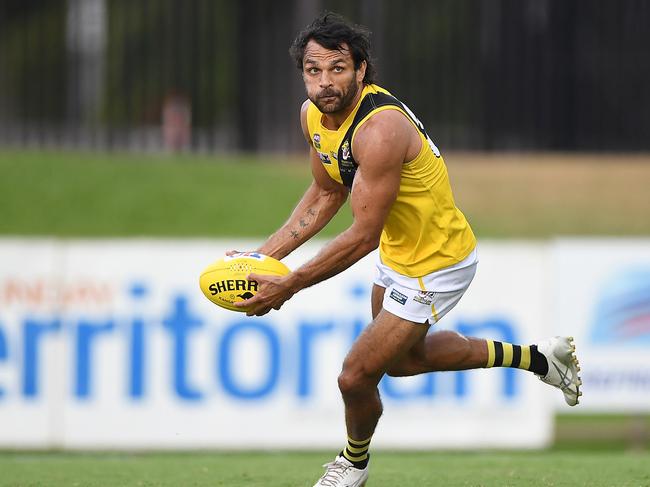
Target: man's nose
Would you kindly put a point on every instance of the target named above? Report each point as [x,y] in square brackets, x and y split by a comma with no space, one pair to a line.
[325,80]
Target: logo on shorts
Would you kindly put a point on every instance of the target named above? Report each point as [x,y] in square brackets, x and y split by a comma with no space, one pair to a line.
[424,297]
[398,296]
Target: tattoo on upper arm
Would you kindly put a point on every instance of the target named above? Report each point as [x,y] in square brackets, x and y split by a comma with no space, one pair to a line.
[295,234]
[311,212]
[303,223]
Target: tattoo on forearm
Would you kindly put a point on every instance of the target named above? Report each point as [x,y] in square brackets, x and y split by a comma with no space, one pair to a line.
[303,222]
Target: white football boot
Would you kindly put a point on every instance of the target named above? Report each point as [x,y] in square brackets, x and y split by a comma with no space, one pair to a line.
[341,473]
[563,368]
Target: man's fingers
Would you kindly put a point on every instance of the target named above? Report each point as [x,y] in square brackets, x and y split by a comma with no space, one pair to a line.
[230,253]
[257,312]
[247,302]
[253,305]
[257,277]
[259,304]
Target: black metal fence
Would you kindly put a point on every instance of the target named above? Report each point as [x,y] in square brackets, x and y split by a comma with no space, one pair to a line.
[213,75]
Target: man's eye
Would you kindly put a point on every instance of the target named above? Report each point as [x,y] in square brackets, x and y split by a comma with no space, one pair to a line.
[312,70]
[338,69]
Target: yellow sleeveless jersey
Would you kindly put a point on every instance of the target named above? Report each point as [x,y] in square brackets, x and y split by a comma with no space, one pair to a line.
[424,231]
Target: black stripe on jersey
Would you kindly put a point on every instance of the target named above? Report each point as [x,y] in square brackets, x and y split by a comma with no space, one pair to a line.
[347,165]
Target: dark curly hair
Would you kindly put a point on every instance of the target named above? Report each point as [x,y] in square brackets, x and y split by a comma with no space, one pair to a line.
[332,31]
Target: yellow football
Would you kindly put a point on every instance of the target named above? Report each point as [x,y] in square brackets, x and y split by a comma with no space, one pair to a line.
[224,282]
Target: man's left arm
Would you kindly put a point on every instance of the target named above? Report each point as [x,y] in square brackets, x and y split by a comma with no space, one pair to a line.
[380,146]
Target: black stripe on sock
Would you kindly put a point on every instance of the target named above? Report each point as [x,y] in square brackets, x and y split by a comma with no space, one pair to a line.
[516,356]
[538,363]
[498,354]
[360,445]
[361,464]
[355,455]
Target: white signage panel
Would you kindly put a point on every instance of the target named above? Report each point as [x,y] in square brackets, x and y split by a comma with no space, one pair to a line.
[31,295]
[602,295]
[111,344]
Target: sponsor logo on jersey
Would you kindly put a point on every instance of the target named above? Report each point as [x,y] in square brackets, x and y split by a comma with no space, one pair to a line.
[334,156]
[398,296]
[324,158]
[345,150]
[317,141]
[424,297]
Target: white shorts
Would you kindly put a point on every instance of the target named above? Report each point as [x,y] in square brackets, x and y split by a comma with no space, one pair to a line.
[426,298]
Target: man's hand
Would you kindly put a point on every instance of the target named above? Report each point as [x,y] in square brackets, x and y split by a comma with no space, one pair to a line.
[272,292]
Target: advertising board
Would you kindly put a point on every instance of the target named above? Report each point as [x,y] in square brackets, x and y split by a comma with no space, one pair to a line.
[601,291]
[110,344]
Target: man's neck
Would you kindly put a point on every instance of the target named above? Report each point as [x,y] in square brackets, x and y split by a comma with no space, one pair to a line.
[333,121]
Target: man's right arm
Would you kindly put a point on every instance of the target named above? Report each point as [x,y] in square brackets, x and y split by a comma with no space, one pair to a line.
[319,204]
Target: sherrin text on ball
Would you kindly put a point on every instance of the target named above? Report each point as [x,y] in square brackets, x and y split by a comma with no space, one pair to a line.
[224,282]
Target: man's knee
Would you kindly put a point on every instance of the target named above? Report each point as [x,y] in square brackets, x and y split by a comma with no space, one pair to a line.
[355,377]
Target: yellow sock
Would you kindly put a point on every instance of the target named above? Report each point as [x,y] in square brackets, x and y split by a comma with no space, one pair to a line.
[357,452]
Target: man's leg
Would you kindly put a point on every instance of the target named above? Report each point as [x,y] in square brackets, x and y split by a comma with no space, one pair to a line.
[438,351]
[378,347]
[553,360]
[382,343]
[442,351]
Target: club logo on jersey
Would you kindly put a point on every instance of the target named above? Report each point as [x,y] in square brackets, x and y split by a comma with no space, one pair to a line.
[424,297]
[398,296]
[334,156]
[317,141]
[324,158]
[345,150]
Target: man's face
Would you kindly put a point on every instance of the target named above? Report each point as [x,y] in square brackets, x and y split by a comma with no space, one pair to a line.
[330,78]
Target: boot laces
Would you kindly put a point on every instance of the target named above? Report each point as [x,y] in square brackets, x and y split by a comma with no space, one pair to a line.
[335,471]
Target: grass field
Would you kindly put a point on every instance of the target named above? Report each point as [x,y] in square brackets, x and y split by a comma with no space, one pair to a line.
[388,469]
[504,196]
[590,451]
